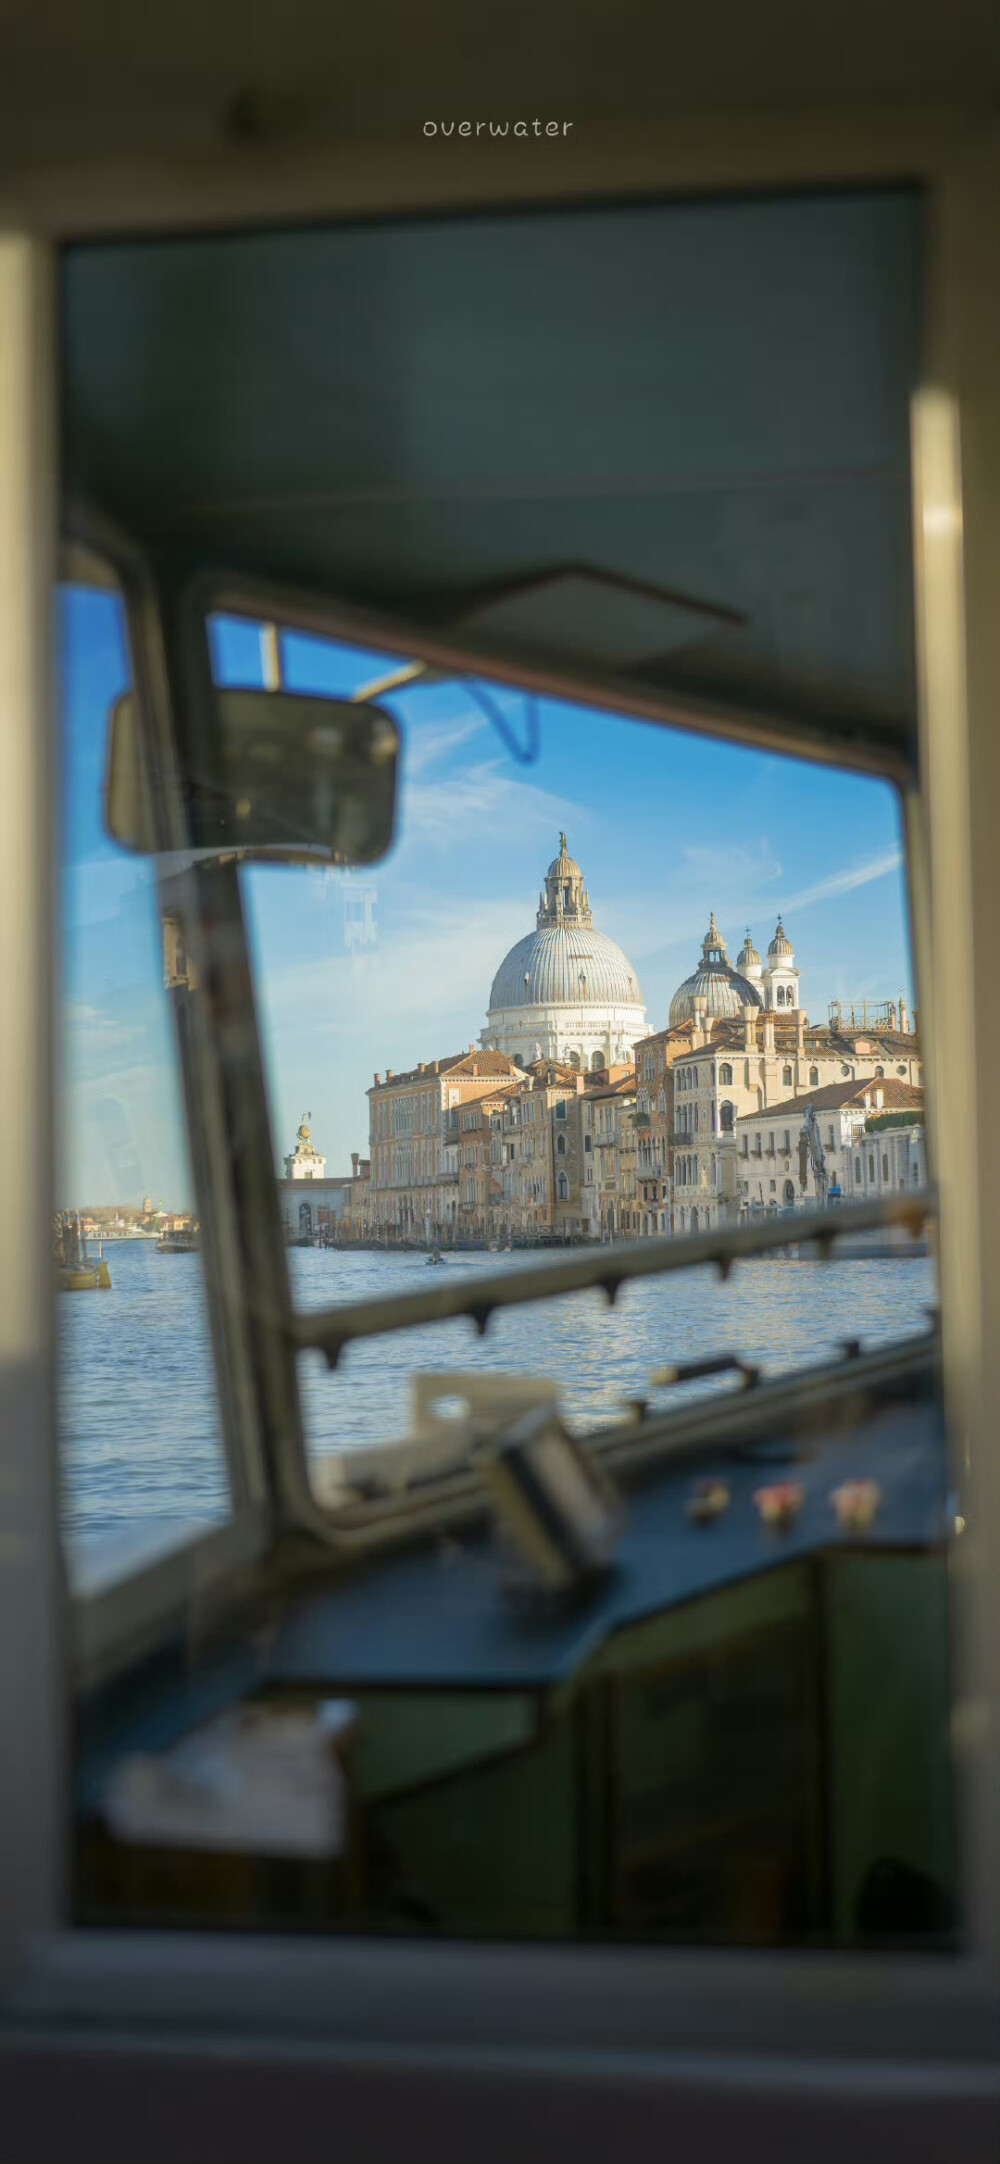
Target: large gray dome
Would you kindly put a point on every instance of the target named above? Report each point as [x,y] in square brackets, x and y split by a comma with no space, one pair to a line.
[725,992]
[560,965]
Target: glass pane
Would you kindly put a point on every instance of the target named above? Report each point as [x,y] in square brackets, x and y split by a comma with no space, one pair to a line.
[142,1457]
[436,1091]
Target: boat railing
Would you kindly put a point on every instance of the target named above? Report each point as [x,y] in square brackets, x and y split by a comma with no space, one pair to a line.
[330,1330]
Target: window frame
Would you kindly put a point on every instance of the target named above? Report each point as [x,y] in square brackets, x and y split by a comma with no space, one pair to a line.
[800,2006]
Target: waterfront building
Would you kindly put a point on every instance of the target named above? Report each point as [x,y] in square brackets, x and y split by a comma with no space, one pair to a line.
[313,1202]
[609,1120]
[540,1154]
[480,1181]
[415,1140]
[731,1065]
[304,1162]
[565,992]
[869,1141]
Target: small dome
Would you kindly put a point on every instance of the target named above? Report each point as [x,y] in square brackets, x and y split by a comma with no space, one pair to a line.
[780,946]
[722,988]
[748,957]
[303,1134]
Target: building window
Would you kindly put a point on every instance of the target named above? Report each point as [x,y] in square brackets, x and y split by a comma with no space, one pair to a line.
[726,1077]
[885,1165]
[757,1146]
[560,1145]
[596,1059]
[814,1077]
[879,1071]
[726,1116]
[788,1143]
[563,1187]
[561,1109]
[845,1070]
[789,1193]
[305,1217]
[871,1166]
[786,1078]
[574,1060]
[587,1143]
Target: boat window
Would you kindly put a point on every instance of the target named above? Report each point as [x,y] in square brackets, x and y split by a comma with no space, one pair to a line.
[388,995]
[143,1466]
[607,1598]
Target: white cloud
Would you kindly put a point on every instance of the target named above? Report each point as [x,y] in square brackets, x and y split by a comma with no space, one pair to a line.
[485,797]
[856,875]
[437,740]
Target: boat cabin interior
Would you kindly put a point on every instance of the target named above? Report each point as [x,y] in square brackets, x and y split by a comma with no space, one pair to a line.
[594,1743]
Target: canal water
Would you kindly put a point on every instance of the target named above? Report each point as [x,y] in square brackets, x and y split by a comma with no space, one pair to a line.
[141,1453]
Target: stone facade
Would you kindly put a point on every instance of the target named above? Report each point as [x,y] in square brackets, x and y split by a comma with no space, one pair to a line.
[415,1141]
[861,1151]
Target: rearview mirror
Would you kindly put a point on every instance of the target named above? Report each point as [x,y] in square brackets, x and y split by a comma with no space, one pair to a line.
[285,778]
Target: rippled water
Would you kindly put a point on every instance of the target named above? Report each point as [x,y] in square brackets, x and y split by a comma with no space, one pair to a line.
[141,1449]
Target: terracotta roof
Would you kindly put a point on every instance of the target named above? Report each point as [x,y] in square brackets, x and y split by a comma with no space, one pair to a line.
[482,1063]
[625,1088]
[471,1063]
[896,1097]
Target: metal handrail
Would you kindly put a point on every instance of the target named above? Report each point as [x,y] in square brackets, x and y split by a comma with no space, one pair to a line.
[608,1269]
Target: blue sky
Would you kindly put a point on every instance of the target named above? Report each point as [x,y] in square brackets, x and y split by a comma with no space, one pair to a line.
[381,968]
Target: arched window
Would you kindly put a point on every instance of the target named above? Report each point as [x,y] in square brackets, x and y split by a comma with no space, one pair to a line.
[305,1217]
[694,1220]
[789,1192]
[726,1076]
[813,1078]
[596,1059]
[560,1145]
[574,1060]
[786,1078]
[726,1118]
[879,1071]
[779,997]
[563,1187]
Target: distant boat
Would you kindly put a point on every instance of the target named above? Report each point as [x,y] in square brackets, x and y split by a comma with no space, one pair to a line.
[178,1243]
[435,1259]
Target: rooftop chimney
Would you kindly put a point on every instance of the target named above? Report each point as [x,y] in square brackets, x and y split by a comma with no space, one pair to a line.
[388,1074]
[378,1081]
[420,1066]
[355,1157]
[750,1014]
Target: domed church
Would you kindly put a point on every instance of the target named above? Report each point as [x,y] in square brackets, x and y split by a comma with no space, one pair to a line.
[565,991]
[727,991]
